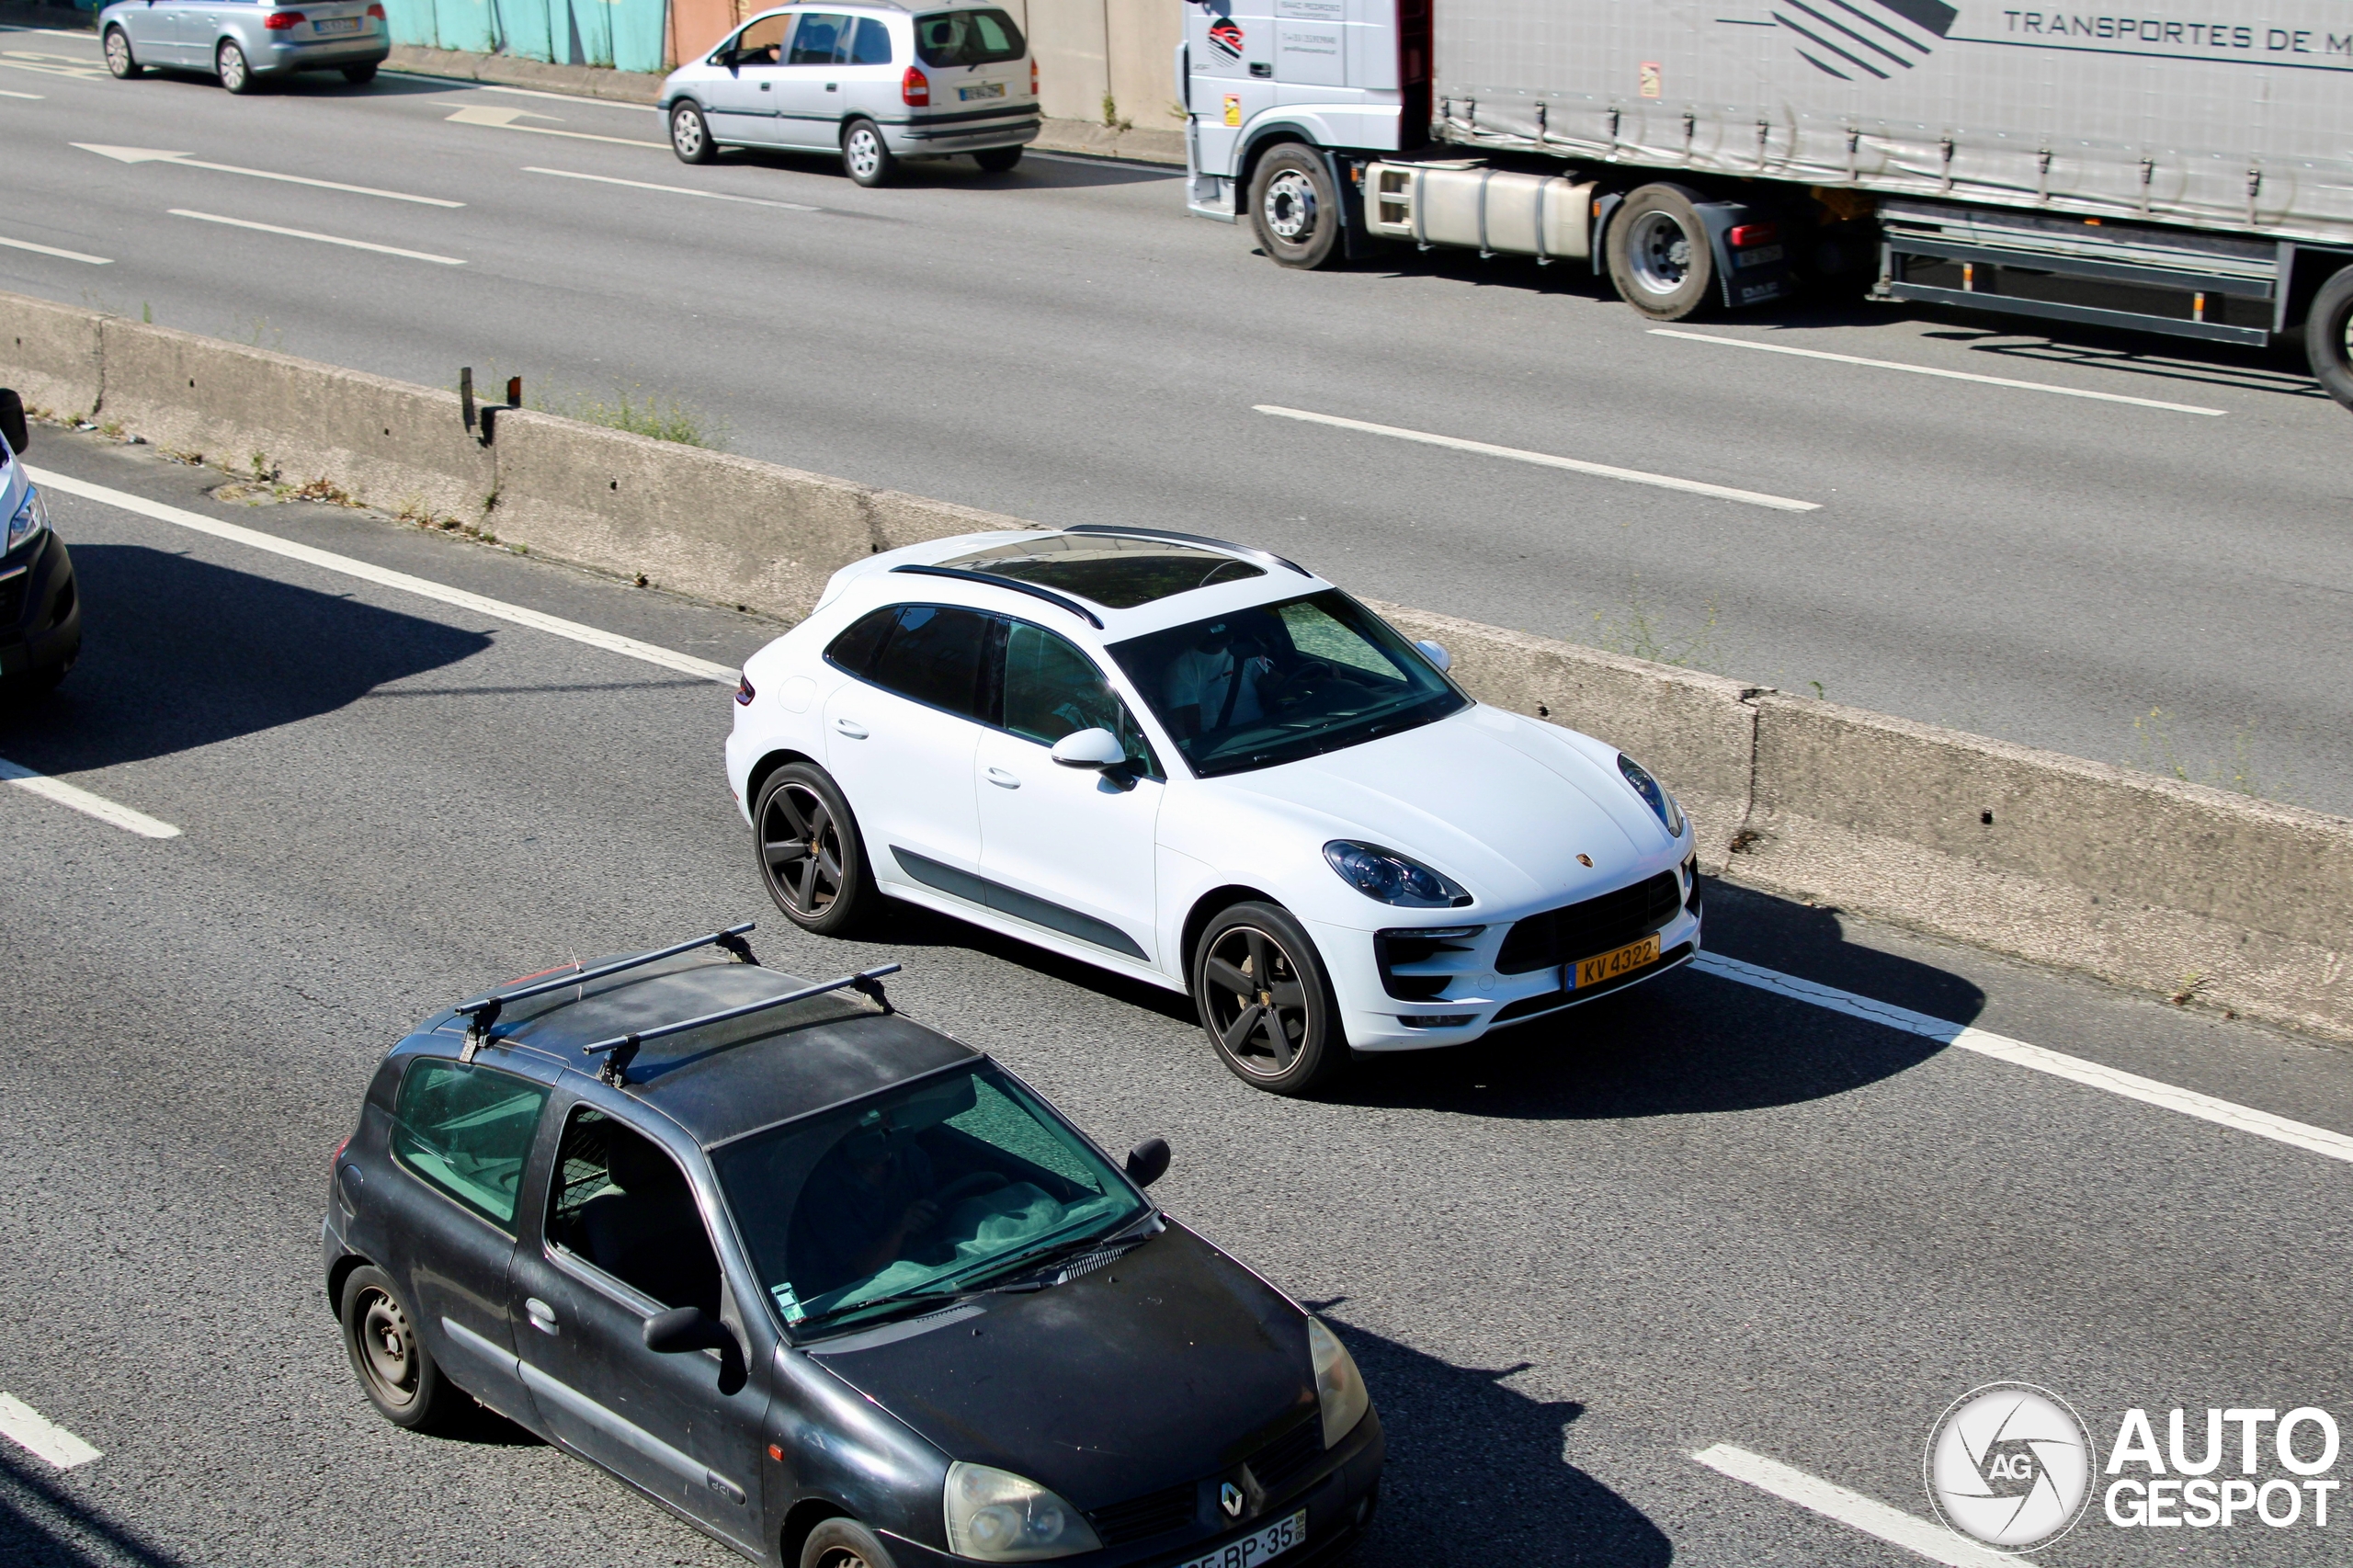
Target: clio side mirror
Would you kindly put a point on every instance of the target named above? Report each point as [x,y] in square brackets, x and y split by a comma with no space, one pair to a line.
[12,420]
[1148,1161]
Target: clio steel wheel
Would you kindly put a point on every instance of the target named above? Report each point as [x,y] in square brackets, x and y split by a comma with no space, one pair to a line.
[394,1368]
[1264,1001]
[844,1543]
[811,855]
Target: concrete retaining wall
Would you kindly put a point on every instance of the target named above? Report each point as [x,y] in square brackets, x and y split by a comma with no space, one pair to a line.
[2163,886]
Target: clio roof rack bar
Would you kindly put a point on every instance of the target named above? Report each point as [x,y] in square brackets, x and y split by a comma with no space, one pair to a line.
[1016,584]
[622,1049]
[1251,551]
[482,1011]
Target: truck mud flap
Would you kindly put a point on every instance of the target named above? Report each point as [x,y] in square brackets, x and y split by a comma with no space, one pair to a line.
[1753,277]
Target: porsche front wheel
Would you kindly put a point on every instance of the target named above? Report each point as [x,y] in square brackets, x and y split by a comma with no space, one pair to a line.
[1264,1001]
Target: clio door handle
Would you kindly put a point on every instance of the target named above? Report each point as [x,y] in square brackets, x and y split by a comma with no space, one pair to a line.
[543,1316]
[851,728]
[1004,780]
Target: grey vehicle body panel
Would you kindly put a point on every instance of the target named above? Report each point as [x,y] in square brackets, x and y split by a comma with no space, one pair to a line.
[187,34]
[2233,123]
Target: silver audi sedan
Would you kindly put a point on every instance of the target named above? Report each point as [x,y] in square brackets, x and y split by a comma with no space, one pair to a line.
[245,43]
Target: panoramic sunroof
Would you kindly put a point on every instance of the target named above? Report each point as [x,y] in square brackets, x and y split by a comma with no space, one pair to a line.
[1117,574]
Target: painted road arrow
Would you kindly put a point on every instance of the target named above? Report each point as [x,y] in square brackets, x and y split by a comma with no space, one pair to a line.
[503,119]
[181,160]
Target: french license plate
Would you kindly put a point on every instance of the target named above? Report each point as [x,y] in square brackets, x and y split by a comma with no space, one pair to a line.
[1610,965]
[1272,1542]
[981,90]
[337,25]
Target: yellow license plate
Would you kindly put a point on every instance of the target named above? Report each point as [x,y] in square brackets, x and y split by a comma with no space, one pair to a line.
[1610,965]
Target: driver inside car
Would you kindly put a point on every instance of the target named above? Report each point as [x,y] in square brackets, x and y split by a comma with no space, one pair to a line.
[1216,684]
[865,1202]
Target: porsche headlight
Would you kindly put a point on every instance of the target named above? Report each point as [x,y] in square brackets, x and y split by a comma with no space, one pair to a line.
[995,1516]
[1654,794]
[31,517]
[1339,1387]
[1390,877]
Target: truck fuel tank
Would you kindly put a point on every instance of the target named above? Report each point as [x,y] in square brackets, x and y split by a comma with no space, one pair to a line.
[1491,210]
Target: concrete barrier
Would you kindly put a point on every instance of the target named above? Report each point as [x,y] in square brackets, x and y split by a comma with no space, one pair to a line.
[2159,886]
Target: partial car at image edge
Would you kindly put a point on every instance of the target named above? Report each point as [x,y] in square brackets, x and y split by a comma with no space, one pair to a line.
[245,43]
[41,604]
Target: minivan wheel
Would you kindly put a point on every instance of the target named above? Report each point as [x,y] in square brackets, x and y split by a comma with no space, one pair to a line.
[844,1543]
[811,857]
[229,65]
[399,1374]
[865,154]
[690,134]
[1659,254]
[118,57]
[1295,207]
[997,160]
[1266,1002]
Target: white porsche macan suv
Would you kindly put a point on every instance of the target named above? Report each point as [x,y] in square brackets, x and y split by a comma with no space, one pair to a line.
[1200,766]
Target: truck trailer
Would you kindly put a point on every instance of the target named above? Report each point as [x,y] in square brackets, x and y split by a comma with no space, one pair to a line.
[2186,171]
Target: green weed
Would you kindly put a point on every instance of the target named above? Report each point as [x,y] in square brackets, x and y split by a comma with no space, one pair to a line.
[1639,632]
[2241,770]
[640,414]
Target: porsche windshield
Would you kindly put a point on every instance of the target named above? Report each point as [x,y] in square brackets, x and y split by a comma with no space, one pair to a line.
[913,1193]
[1275,683]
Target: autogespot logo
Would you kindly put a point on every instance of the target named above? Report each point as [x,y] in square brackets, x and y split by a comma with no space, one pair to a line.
[2011,1466]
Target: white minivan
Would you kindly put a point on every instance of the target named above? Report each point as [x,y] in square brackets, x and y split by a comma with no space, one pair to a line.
[874,81]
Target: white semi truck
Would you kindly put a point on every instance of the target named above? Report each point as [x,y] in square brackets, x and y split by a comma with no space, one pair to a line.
[2184,170]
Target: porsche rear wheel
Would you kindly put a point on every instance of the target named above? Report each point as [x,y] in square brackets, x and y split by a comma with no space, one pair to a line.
[811,856]
[1266,1002]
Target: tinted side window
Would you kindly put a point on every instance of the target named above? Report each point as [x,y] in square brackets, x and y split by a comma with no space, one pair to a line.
[622,1203]
[467,1131]
[1051,690]
[819,36]
[855,649]
[934,654]
[873,45]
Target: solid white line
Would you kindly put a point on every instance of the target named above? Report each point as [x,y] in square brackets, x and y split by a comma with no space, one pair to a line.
[322,239]
[28,1428]
[82,800]
[612,643]
[1932,371]
[1631,475]
[53,250]
[184,161]
[1868,1515]
[674,189]
[2094,1074]
[564,98]
[36,98]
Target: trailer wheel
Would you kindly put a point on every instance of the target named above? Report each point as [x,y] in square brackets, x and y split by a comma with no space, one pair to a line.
[1658,253]
[2326,326]
[1295,207]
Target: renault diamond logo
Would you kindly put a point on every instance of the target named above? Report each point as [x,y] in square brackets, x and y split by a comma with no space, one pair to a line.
[1230,1498]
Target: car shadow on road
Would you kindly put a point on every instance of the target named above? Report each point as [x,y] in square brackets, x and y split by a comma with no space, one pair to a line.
[178,654]
[44,1525]
[1690,1043]
[1057,171]
[1475,1471]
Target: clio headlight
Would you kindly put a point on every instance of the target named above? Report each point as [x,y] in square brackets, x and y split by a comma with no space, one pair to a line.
[31,517]
[1654,795]
[1339,1387]
[995,1516]
[1390,877]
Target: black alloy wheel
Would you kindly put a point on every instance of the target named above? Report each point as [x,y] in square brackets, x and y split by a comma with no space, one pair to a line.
[399,1374]
[2327,345]
[1264,1001]
[690,134]
[229,65]
[359,75]
[1659,254]
[119,61]
[844,1543]
[1295,207]
[811,855]
[997,160]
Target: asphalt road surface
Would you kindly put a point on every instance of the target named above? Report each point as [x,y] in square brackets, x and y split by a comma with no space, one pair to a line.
[1568,1259]
[2119,581]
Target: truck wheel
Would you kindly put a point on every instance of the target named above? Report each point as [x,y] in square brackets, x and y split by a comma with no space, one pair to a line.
[1294,208]
[2326,326]
[1659,256]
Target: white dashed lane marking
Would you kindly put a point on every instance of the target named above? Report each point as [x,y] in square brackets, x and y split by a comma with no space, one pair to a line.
[75,798]
[1933,370]
[38,1435]
[1853,1509]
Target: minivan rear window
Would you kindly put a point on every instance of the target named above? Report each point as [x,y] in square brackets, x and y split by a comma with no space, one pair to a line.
[968,38]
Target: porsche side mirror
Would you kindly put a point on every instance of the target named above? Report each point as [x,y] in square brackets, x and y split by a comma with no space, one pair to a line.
[12,420]
[686,1328]
[1437,654]
[1148,1161]
[1089,748]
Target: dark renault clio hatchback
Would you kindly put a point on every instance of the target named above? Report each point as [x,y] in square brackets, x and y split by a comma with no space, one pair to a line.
[830,1285]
